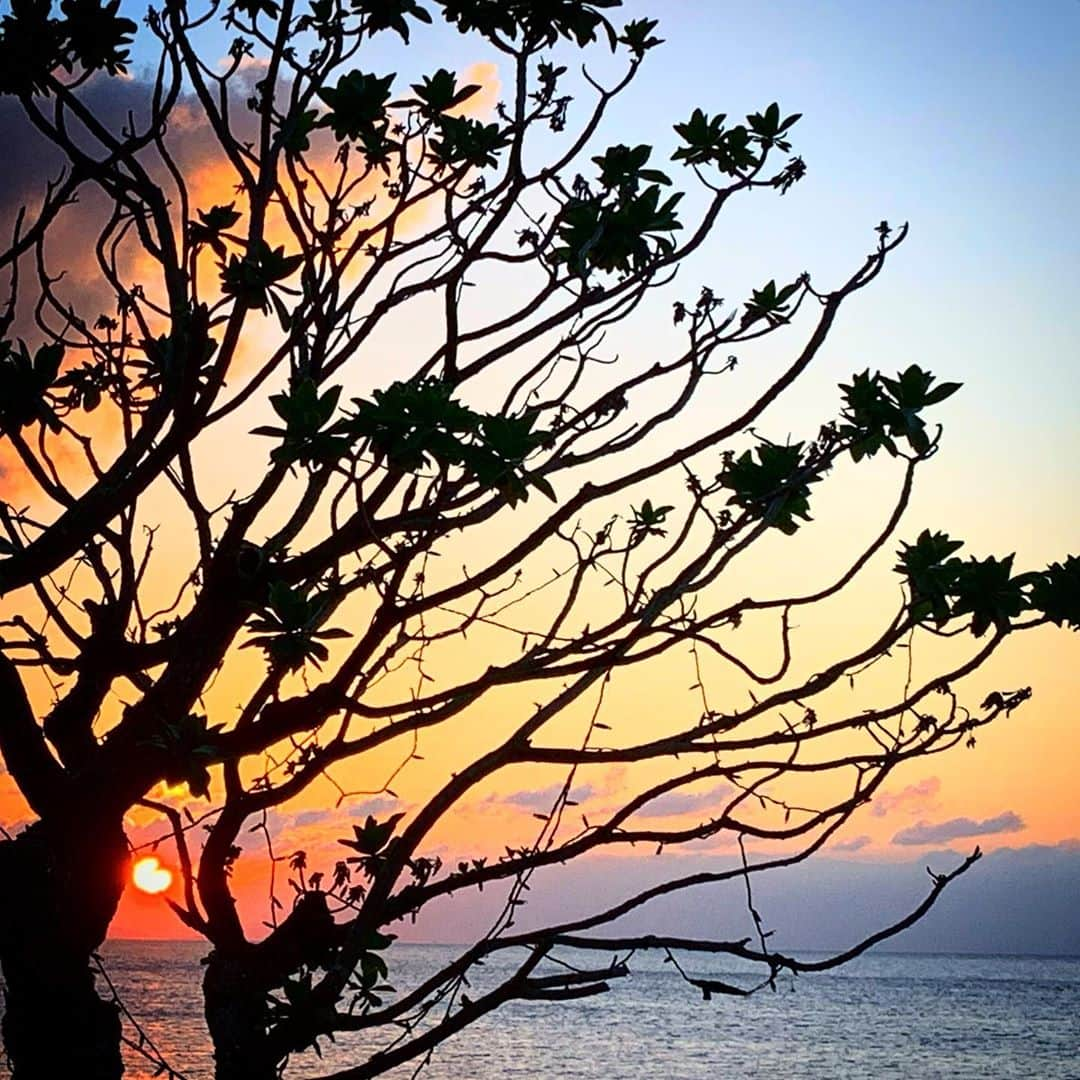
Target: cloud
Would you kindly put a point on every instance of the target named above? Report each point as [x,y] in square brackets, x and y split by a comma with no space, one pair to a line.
[69,249]
[678,803]
[926,833]
[376,807]
[723,842]
[613,781]
[32,162]
[540,801]
[485,75]
[857,844]
[923,791]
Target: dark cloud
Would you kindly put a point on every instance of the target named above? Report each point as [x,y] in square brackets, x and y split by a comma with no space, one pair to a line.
[31,160]
[926,833]
[32,163]
[79,289]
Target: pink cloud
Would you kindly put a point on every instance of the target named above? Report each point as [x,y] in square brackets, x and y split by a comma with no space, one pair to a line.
[920,795]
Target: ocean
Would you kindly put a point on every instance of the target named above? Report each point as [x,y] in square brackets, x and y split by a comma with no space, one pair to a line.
[884,1015]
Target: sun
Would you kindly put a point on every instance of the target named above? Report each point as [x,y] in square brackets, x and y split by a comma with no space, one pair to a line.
[150,876]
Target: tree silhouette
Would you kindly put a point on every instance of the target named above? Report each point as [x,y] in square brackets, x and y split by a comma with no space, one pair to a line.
[395,302]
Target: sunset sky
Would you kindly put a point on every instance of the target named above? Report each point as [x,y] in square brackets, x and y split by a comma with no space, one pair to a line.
[957,118]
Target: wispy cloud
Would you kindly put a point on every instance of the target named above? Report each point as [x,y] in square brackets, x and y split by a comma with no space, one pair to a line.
[376,807]
[856,844]
[924,832]
[678,803]
[540,801]
[914,794]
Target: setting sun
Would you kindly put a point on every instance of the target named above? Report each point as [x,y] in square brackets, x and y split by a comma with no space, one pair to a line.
[149,876]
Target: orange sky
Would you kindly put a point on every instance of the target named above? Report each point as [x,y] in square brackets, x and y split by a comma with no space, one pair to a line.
[1020,774]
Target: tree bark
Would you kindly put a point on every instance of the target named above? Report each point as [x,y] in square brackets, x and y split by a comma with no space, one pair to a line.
[60,884]
[249,1043]
[237,1016]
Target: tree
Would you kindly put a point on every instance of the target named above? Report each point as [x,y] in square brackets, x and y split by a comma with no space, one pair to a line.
[598,528]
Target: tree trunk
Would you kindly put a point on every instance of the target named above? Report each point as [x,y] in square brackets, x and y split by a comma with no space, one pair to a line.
[238,980]
[59,888]
[237,1017]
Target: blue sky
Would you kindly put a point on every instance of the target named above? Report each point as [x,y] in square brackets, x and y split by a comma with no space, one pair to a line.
[954,117]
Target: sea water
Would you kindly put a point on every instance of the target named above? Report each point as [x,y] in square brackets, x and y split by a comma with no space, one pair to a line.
[883,1015]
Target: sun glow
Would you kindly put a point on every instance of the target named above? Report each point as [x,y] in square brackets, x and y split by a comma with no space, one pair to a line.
[149,876]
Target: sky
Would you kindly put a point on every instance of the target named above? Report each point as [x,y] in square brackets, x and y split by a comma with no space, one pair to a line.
[955,118]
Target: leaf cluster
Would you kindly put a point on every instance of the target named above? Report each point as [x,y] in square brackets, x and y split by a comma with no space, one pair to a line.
[638,36]
[735,150]
[308,437]
[879,410]
[622,169]
[25,382]
[254,8]
[372,837]
[251,279]
[33,44]
[437,93]
[358,111]
[465,141]
[648,520]
[373,841]
[535,22]
[85,385]
[770,303]
[774,481]
[379,15]
[289,626]
[183,354]
[1057,593]
[369,977]
[623,227]
[418,423]
[943,587]
[188,748]
[211,226]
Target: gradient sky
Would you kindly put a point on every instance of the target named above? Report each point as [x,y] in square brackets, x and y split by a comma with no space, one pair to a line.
[959,119]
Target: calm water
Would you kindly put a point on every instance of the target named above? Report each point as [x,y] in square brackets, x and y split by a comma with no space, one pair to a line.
[885,1015]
